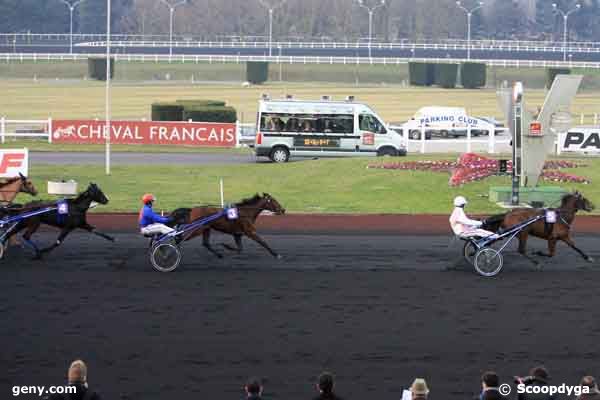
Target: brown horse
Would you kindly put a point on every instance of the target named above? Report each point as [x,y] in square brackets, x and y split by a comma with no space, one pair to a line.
[10,188]
[561,230]
[248,209]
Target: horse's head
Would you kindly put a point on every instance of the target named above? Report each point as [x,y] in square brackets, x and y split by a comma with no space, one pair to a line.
[581,203]
[94,193]
[27,185]
[271,204]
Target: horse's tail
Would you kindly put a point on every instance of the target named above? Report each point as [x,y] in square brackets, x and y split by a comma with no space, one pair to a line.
[493,222]
[181,216]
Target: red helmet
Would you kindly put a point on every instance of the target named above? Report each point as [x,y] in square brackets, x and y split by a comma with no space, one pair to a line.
[148,198]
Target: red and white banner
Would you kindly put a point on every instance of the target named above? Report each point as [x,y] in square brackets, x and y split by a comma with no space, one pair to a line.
[146,132]
[13,162]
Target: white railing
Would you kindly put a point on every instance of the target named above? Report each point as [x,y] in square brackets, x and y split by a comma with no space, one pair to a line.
[22,129]
[183,58]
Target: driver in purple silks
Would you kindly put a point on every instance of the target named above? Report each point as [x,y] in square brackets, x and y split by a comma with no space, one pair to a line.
[464,226]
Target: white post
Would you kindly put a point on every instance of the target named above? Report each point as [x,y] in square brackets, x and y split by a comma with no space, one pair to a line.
[422,139]
[565,19]
[582,118]
[492,138]
[107,92]
[50,131]
[238,133]
[595,118]
[370,30]
[221,190]
[71,30]
[2,128]
[469,35]
[270,32]
[171,32]
[469,146]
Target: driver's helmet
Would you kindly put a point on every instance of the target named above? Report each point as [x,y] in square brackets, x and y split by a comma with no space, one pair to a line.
[459,201]
[148,198]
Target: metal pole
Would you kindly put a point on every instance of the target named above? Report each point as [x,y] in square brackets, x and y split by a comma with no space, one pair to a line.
[71,8]
[565,19]
[469,35]
[270,32]
[221,190]
[107,94]
[171,33]
[370,30]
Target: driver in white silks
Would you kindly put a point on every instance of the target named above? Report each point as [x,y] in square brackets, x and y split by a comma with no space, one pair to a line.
[465,227]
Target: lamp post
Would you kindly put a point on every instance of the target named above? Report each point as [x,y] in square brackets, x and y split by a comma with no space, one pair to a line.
[371,10]
[172,7]
[71,6]
[565,16]
[469,15]
[107,94]
[269,6]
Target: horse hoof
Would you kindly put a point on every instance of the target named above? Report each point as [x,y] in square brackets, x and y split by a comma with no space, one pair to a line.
[589,259]
[279,256]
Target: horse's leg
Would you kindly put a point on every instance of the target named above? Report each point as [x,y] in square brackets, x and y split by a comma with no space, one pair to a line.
[571,244]
[523,248]
[238,242]
[61,237]
[32,227]
[206,243]
[551,249]
[251,233]
[92,229]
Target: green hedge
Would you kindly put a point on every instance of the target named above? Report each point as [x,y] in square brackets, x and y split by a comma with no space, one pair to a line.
[445,75]
[551,75]
[167,112]
[421,74]
[473,75]
[187,103]
[257,71]
[97,68]
[210,114]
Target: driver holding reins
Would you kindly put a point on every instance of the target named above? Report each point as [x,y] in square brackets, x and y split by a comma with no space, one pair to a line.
[150,222]
[463,225]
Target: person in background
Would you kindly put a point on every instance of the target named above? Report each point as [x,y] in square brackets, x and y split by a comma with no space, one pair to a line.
[592,385]
[419,389]
[325,386]
[538,376]
[77,379]
[254,389]
[490,384]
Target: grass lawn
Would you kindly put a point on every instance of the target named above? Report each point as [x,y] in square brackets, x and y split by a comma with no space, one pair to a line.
[44,146]
[25,99]
[316,186]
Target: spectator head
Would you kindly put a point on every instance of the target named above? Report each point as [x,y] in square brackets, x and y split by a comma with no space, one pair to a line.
[590,382]
[325,384]
[77,372]
[254,387]
[490,379]
[419,389]
[540,373]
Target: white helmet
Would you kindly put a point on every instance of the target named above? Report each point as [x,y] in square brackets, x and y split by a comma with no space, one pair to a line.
[459,201]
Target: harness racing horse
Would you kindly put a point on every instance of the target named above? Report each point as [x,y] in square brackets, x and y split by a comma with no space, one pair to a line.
[561,230]
[248,210]
[74,218]
[10,188]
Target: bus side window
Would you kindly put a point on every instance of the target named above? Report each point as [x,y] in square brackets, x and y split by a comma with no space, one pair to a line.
[369,123]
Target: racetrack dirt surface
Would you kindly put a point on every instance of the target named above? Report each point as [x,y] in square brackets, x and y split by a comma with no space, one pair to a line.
[378,311]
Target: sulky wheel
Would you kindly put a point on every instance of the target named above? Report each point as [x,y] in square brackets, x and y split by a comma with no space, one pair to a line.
[469,251]
[165,257]
[2,249]
[488,262]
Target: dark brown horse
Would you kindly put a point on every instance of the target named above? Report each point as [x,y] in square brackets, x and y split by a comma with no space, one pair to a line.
[559,231]
[244,225]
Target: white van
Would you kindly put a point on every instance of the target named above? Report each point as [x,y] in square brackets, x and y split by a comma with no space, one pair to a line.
[441,121]
[323,128]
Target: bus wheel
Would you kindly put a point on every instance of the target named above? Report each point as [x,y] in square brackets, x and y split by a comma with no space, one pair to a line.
[387,151]
[279,154]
